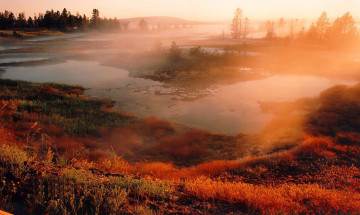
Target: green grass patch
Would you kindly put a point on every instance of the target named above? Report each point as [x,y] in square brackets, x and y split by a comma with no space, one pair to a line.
[61,105]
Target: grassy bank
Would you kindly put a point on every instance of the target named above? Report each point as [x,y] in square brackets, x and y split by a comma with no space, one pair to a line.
[52,138]
[196,68]
[29,33]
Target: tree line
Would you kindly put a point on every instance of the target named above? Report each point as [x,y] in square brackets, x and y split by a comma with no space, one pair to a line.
[341,29]
[64,21]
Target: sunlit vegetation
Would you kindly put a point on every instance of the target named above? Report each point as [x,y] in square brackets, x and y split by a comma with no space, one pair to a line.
[197,67]
[61,117]
[317,174]
[338,33]
[62,152]
[58,105]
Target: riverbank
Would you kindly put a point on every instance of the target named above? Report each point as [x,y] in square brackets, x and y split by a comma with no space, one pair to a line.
[52,159]
[28,33]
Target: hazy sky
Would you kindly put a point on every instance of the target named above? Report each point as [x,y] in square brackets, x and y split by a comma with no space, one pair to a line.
[204,10]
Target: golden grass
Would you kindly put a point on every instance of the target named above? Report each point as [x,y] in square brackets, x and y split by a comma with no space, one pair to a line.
[32,33]
[286,198]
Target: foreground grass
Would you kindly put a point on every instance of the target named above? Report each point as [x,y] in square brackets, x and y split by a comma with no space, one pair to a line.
[318,175]
[42,185]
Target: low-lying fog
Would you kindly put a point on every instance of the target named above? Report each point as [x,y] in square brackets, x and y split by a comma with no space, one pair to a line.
[90,60]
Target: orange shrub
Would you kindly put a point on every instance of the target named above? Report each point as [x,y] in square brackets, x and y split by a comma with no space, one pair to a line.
[155,169]
[285,199]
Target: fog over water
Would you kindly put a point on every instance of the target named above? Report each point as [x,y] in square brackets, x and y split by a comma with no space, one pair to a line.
[83,60]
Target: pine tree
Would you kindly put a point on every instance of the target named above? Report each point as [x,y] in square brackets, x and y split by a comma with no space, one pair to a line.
[236,24]
[322,24]
[95,19]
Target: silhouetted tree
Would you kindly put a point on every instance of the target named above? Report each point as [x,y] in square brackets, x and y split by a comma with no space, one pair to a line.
[312,32]
[63,19]
[174,52]
[30,23]
[270,30]
[21,20]
[95,19]
[344,26]
[236,24]
[11,20]
[84,23]
[301,34]
[51,19]
[322,25]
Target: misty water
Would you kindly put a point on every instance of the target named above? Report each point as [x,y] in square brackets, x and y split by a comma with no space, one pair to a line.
[228,109]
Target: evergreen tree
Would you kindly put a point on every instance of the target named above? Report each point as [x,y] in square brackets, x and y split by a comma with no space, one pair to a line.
[95,19]
[270,30]
[322,24]
[11,20]
[236,24]
[312,32]
[63,19]
[30,23]
[21,20]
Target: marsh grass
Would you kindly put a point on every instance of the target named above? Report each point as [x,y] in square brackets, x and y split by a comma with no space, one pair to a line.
[28,33]
[200,67]
[61,105]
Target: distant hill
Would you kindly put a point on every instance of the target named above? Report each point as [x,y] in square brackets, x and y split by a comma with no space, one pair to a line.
[164,20]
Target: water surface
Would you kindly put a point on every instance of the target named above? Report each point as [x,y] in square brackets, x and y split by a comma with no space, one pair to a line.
[225,109]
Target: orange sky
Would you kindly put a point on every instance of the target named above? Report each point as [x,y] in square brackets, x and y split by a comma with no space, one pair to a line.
[204,10]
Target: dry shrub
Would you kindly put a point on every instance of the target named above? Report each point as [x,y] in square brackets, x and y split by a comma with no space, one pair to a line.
[284,199]
[340,177]
[155,169]
[6,136]
[48,90]
[214,168]
[348,138]
[76,92]
[82,164]
[115,165]
[317,146]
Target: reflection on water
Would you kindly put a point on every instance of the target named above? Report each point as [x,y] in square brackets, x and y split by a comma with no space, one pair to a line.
[20,59]
[228,109]
[49,38]
[87,74]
